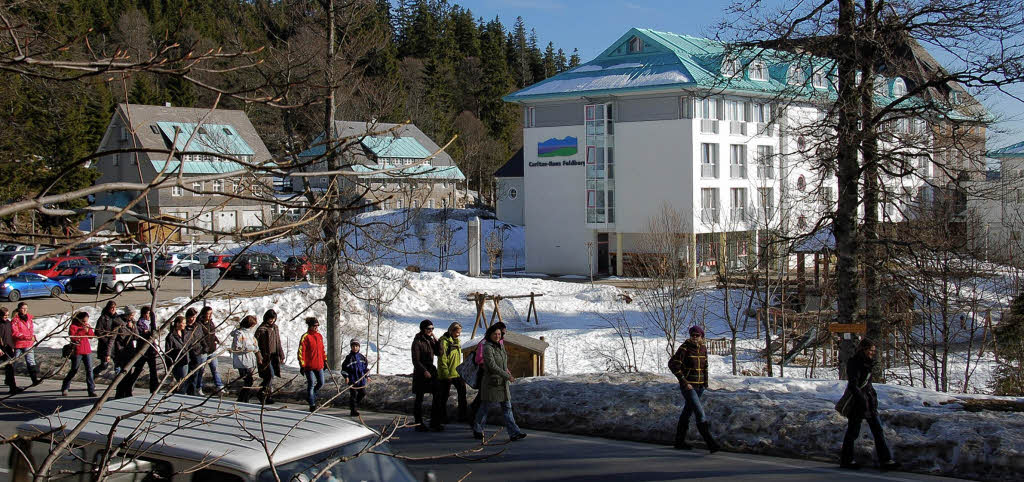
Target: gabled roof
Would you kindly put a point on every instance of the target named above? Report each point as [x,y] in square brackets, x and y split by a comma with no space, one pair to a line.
[395,147]
[373,133]
[217,138]
[512,168]
[528,342]
[146,123]
[1014,151]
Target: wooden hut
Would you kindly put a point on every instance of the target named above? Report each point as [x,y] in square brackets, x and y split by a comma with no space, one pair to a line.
[525,354]
[155,232]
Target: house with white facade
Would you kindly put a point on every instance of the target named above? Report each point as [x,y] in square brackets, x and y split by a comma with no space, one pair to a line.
[660,118]
[143,141]
[377,156]
[998,206]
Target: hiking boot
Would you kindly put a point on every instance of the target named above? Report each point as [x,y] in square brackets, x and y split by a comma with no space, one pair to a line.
[518,436]
[705,432]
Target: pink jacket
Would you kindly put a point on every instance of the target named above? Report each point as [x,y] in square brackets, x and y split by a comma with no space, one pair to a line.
[479,357]
[22,331]
[80,335]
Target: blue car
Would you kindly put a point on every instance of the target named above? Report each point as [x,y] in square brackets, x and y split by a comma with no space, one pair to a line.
[28,285]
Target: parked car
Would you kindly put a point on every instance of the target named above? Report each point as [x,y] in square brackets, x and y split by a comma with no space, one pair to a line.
[17,248]
[141,259]
[96,254]
[82,281]
[117,277]
[241,236]
[12,260]
[202,444]
[256,265]
[59,266]
[180,262]
[219,261]
[298,267]
[28,285]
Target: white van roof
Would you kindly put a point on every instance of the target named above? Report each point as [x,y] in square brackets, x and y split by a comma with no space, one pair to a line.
[183,427]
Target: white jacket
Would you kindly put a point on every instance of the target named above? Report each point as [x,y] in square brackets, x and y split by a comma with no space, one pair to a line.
[243,348]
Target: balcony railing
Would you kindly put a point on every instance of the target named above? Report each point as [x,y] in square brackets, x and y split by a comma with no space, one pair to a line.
[709,170]
[709,215]
[738,171]
[765,129]
[765,172]
[738,128]
[709,126]
[738,215]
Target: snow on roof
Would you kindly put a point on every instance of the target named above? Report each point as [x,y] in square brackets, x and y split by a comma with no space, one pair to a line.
[1016,150]
[820,240]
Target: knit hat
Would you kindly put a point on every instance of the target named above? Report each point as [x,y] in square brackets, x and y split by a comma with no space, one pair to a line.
[353,342]
[696,330]
[426,323]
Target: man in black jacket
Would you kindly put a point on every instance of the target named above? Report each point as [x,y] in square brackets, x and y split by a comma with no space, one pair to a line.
[865,407]
[424,374]
[125,344]
[7,351]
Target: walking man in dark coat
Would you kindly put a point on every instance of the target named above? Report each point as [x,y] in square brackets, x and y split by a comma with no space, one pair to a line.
[424,374]
[270,356]
[690,366]
[865,407]
[104,338]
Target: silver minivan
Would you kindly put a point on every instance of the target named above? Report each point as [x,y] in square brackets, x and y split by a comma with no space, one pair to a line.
[191,439]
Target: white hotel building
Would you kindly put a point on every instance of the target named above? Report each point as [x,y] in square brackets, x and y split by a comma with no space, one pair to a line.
[662,118]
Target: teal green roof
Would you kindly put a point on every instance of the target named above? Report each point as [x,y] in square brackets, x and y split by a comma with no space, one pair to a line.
[396,147]
[673,61]
[422,171]
[1014,151]
[198,167]
[213,138]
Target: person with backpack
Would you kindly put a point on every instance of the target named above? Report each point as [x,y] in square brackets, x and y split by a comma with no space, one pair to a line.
[448,359]
[7,351]
[494,384]
[243,355]
[865,408]
[357,375]
[690,366]
[79,334]
[270,355]
[207,344]
[23,333]
[104,336]
[424,374]
[312,360]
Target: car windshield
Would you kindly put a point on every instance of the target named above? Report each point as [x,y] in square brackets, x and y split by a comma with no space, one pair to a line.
[366,467]
[44,265]
[5,259]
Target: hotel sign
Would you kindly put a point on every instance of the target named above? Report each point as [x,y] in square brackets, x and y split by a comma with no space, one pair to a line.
[572,162]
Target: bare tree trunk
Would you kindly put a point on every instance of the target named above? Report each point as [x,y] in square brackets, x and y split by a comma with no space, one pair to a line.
[332,243]
[848,172]
[869,148]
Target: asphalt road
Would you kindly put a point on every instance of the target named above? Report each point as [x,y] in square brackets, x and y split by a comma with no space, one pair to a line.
[170,287]
[541,456]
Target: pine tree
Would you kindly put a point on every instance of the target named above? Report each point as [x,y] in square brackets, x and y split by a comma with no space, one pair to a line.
[1009,334]
[422,32]
[144,91]
[181,92]
[574,61]
[561,65]
[518,55]
[549,60]
[535,59]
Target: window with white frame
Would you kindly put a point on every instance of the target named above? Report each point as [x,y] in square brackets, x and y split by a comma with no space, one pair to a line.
[738,161]
[736,114]
[899,87]
[730,67]
[818,79]
[636,45]
[709,205]
[116,159]
[196,188]
[430,203]
[177,191]
[801,183]
[218,185]
[398,204]
[767,196]
[709,160]
[415,204]
[795,76]
[709,111]
[738,205]
[530,119]
[765,162]
[758,71]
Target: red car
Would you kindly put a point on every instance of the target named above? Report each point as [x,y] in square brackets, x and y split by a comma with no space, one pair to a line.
[219,261]
[297,267]
[60,266]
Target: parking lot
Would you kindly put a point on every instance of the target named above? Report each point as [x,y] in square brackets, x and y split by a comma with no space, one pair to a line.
[170,287]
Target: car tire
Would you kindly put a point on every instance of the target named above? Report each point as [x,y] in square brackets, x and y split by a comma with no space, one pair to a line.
[14,295]
[118,287]
[56,292]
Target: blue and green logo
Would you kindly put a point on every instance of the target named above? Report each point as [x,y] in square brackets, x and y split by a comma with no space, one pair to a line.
[557,147]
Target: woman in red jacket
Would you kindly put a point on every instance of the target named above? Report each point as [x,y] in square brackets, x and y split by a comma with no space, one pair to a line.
[23,332]
[80,332]
[312,358]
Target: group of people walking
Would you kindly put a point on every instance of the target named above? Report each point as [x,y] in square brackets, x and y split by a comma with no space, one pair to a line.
[493,377]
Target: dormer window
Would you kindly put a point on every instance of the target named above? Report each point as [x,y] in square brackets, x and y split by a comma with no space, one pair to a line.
[881,85]
[899,87]
[818,79]
[636,45]
[202,131]
[758,71]
[730,67]
[226,131]
[795,76]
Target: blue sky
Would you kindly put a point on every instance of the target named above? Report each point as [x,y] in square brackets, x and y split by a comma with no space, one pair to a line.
[592,25]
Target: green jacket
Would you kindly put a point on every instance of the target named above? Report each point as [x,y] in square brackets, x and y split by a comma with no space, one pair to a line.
[449,358]
[494,384]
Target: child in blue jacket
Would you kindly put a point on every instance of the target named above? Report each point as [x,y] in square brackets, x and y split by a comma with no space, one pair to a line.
[357,374]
